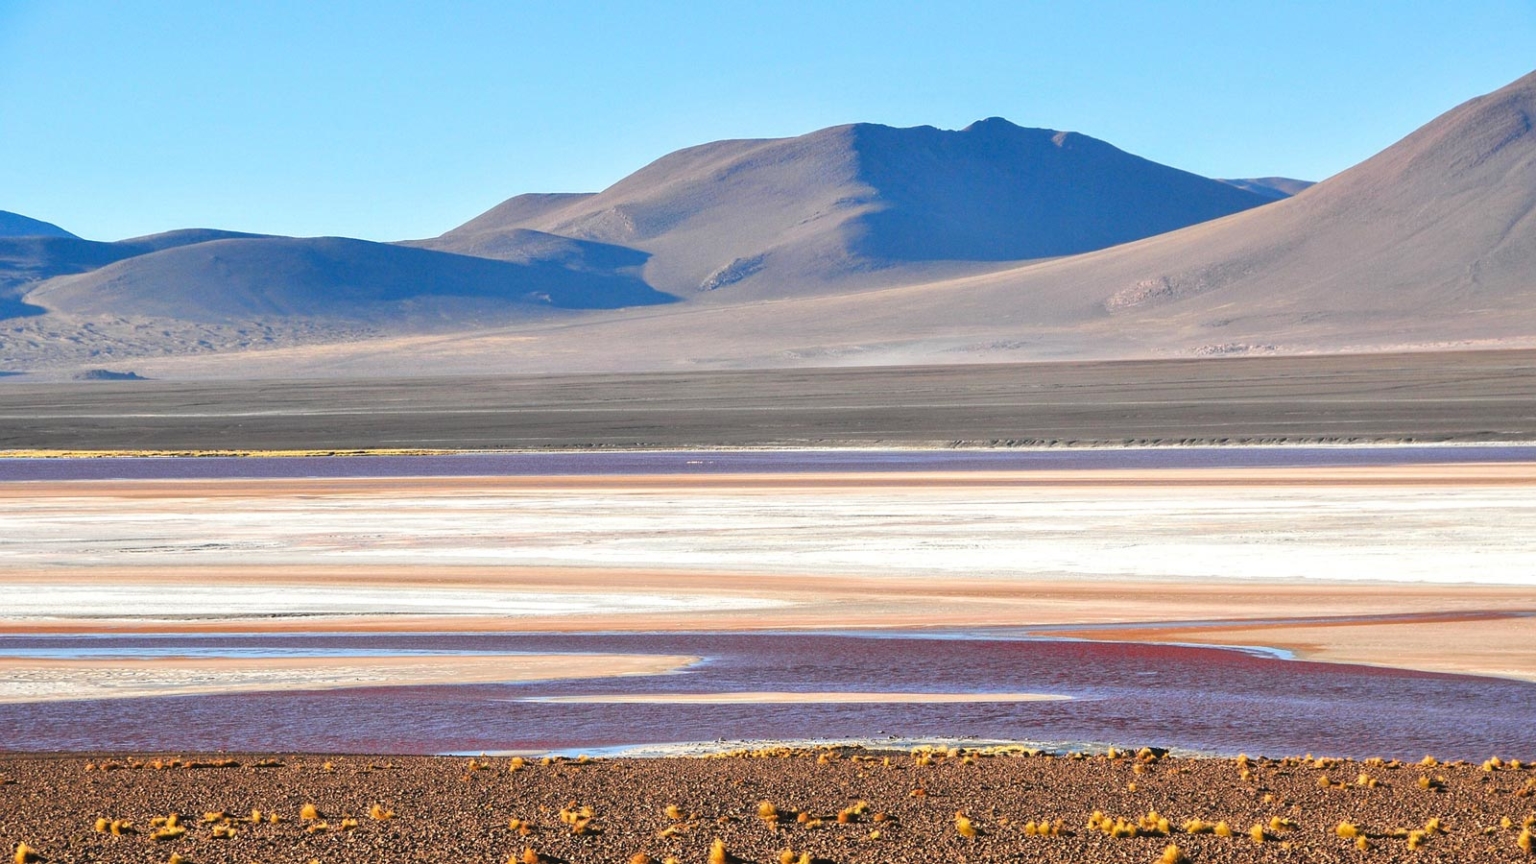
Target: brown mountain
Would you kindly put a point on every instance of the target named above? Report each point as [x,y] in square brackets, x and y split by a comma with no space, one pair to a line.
[865,204]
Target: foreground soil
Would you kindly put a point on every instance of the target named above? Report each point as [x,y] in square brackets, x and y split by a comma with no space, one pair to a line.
[893,808]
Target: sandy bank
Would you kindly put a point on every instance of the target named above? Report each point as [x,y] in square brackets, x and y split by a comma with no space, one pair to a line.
[44,680]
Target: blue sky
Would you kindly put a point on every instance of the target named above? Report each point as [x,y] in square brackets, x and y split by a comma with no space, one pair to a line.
[390,120]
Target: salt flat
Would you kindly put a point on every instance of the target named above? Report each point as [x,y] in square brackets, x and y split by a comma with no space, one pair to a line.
[654,553]
[1462,524]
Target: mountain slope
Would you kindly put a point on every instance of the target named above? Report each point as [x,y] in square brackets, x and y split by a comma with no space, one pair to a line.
[17,225]
[233,280]
[866,204]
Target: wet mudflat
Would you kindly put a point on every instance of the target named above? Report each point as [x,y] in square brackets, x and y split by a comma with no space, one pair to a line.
[1196,699]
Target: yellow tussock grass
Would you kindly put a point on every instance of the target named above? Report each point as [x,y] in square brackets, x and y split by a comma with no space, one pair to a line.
[964,825]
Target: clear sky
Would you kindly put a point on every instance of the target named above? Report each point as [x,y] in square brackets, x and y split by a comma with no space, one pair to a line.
[391,120]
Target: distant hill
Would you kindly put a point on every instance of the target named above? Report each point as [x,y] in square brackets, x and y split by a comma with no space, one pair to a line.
[1273,188]
[17,225]
[26,261]
[248,278]
[864,203]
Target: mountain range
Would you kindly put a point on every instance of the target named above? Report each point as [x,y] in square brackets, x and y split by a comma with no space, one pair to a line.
[854,244]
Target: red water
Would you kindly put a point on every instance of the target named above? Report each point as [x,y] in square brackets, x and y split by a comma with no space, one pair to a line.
[1195,698]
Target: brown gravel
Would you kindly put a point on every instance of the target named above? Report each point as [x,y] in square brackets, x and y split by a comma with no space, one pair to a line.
[447,809]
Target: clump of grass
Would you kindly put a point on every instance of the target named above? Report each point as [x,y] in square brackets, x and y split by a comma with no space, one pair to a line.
[530,856]
[1416,839]
[1362,844]
[309,812]
[674,812]
[767,812]
[641,858]
[255,817]
[1222,829]
[26,854]
[1045,828]
[317,827]
[1173,855]
[964,825]
[1431,785]
[1257,833]
[378,813]
[177,859]
[1198,826]
[1365,780]
[517,764]
[166,828]
[224,832]
[718,853]
[347,824]
[1154,824]
[1525,842]
[1348,830]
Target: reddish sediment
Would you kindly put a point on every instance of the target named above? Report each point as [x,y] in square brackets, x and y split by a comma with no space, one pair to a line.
[456,809]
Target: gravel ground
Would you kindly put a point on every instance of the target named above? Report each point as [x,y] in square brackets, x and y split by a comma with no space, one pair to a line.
[460,810]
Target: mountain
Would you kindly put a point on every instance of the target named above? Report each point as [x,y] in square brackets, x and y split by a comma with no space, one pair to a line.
[251,278]
[864,204]
[17,225]
[1429,244]
[1273,188]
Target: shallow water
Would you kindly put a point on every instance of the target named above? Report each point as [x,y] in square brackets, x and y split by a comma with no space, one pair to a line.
[1182,697]
[745,461]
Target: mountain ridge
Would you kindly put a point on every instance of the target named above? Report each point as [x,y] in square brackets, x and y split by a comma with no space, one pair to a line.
[17,225]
